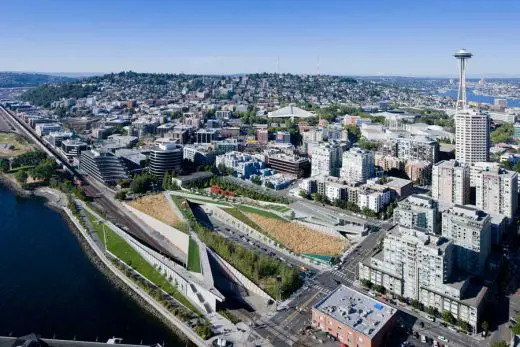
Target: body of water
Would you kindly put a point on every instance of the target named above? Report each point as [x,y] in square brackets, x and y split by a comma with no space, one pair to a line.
[480,98]
[50,287]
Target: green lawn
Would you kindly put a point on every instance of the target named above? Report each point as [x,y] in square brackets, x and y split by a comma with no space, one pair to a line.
[278,208]
[208,201]
[235,212]
[193,256]
[118,246]
[264,213]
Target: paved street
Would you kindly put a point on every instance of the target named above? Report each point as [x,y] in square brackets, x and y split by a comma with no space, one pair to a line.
[232,233]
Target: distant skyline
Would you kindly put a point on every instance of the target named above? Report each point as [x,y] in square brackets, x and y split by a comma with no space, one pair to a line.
[369,37]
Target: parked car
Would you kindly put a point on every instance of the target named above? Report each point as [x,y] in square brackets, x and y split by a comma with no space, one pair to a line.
[442,338]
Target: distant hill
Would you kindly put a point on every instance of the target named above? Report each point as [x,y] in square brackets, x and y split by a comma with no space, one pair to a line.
[24,79]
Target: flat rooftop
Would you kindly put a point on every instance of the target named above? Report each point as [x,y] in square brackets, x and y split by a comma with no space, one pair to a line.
[356,310]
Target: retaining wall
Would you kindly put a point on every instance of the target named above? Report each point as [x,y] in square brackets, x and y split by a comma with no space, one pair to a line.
[196,339]
[176,237]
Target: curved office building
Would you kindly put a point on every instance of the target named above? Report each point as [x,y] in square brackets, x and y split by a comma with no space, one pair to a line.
[103,166]
[165,158]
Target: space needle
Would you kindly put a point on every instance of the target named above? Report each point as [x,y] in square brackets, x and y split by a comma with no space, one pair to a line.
[462,55]
[471,126]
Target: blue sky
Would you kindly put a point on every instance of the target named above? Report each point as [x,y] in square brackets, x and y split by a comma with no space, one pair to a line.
[361,37]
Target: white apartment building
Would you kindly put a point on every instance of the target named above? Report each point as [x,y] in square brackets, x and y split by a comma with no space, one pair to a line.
[421,259]
[471,136]
[358,166]
[326,160]
[375,200]
[450,182]
[476,168]
[419,212]
[496,190]
[308,185]
[424,267]
[470,230]
[335,191]
[418,148]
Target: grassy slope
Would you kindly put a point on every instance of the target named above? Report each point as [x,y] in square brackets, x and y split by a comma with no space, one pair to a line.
[193,256]
[261,212]
[125,252]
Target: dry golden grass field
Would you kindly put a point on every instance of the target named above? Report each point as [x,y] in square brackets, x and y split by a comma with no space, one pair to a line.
[156,206]
[299,238]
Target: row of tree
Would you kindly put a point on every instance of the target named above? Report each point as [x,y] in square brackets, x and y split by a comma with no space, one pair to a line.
[279,280]
[30,158]
[251,193]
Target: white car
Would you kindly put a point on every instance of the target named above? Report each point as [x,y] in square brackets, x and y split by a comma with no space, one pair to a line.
[442,338]
[423,339]
[435,343]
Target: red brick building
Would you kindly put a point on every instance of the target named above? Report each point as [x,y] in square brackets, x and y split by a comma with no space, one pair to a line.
[355,319]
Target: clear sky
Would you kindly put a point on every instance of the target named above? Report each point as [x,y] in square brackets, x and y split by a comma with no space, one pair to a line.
[353,37]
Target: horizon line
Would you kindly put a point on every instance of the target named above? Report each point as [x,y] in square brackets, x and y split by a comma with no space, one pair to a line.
[442,76]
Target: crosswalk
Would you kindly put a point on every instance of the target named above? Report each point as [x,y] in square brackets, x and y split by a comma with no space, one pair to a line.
[347,277]
[320,288]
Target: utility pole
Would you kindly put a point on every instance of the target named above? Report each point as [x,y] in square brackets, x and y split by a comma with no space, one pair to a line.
[105,237]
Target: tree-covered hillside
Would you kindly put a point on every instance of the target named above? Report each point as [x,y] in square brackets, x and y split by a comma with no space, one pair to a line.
[20,79]
[46,94]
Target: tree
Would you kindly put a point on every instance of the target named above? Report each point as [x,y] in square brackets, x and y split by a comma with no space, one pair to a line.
[366,144]
[447,317]
[463,325]
[380,289]
[431,311]
[390,209]
[367,283]
[167,180]
[516,328]
[5,165]
[204,331]
[121,195]
[415,304]
[142,183]
[45,170]
[303,194]
[31,158]
[485,327]
[21,176]
[353,133]
[353,207]
[503,133]
[368,212]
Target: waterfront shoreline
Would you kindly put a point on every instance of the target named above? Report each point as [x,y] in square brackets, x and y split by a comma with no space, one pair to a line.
[40,193]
